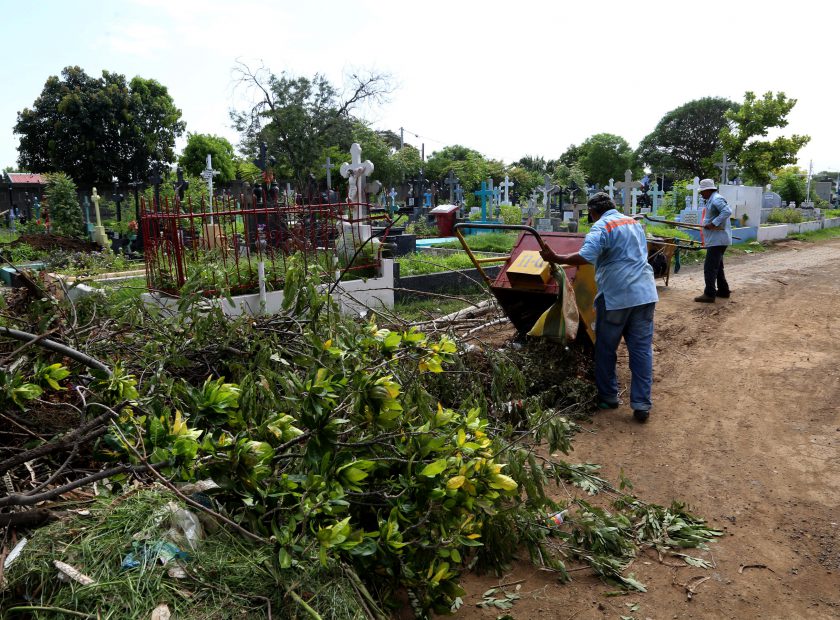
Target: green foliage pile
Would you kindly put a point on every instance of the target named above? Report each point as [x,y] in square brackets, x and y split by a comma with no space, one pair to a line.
[499,242]
[378,455]
[65,212]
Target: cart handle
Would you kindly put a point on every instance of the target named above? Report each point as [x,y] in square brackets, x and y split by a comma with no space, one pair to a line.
[475,260]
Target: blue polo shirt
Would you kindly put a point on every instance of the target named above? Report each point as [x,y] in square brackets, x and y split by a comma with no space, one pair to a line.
[616,245]
[718,213]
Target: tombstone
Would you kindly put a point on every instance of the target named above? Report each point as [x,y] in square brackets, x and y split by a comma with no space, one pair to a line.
[548,190]
[635,193]
[656,195]
[356,172]
[451,181]
[99,235]
[507,185]
[409,197]
[329,166]
[627,185]
[427,199]
[459,194]
[483,193]
[695,192]
[181,184]
[118,198]
[771,200]
[724,166]
[12,218]
[36,208]
[393,196]
[611,189]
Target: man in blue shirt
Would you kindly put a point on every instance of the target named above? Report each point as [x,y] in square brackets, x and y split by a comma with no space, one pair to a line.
[717,235]
[625,303]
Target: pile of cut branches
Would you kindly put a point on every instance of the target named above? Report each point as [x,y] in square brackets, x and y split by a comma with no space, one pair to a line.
[335,446]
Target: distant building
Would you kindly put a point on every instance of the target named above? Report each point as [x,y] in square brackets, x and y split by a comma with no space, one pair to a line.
[18,189]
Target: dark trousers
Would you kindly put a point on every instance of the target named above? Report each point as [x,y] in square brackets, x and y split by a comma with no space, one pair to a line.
[713,271]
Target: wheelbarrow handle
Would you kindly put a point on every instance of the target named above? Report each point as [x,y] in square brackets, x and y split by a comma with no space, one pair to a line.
[522,227]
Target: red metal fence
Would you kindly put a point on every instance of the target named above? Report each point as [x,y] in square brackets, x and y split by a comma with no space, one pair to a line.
[219,249]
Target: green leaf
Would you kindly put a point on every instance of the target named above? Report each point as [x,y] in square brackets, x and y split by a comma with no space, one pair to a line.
[433,469]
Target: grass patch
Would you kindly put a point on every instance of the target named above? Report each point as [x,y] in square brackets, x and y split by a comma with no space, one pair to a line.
[660,230]
[421,263]
[227,577]
[817,235]
[498,242]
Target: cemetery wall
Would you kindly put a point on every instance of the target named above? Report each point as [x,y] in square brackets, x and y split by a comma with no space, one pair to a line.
[458,282]
[804,227]
[744,234]
[831,222]
[744,200]
[772,233]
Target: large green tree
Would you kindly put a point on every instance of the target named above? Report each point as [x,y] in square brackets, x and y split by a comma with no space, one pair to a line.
[687,139]
[790,183]
[752,120]
[300,118]
[95,129]
[605,156]
[199,146]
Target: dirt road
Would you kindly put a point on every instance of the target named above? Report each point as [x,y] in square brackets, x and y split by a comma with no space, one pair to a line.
[745,429]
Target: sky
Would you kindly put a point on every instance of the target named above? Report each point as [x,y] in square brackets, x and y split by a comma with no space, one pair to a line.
[505,78]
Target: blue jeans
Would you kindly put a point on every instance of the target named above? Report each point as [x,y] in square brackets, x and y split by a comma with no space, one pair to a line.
[636,326]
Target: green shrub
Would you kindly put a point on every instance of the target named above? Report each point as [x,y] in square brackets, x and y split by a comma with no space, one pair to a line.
[785,215]
[65,212]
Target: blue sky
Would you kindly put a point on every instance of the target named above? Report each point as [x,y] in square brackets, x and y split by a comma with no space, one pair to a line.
[507,79]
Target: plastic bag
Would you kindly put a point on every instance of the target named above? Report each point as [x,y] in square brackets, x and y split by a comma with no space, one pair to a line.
[560,322]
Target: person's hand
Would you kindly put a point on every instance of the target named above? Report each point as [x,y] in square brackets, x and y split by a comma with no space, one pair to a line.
[548,255]
[709,226]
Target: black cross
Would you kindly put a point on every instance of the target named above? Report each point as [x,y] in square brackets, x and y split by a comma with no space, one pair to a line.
[181,185]
[118,198]
[260,161]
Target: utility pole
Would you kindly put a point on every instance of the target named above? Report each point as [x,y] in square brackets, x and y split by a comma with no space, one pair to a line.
[808,184]
[402,137]
[423,152]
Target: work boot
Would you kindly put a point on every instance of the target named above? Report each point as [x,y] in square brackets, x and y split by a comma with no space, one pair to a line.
[705,299]
[641,415]
[607,404]
[722,295]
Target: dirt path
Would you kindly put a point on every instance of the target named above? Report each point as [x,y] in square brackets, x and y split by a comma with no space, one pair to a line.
[746,430]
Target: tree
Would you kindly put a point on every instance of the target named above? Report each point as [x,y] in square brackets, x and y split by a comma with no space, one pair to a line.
[687,139]
[790,184]
[566,175]
[199,146]
[752,120]
[605,156]
[95,129]
[300,117]
[533,163]
[63,204]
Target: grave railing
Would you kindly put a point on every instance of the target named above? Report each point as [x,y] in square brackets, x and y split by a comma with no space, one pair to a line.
[223,248]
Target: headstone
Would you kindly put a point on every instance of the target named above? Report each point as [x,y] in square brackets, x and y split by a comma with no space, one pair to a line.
[118,198]
[548,190]
[506,186]
[656,195]
[329,166]
[393,196]
[627,185]
[99,235]
[451,181]
[356,172]
[483,194]
[724,166]
[771,200]
[611,189]
[635,193]
[459,194]
[695,193]
[181,184]
[36,208]
[427,199]
[544,224]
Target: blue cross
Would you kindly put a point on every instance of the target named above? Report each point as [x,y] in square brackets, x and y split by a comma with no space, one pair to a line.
[484,193]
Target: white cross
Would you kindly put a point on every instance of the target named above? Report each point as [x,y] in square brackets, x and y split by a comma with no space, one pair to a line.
[392,195]
[627,185]
[95,198]
[329,167]
[695,189]
[506,185]
[289,195]
[656,194]
[635,194]
[548,190]
[207,174]
[611,189]
[724,166]
[355,173]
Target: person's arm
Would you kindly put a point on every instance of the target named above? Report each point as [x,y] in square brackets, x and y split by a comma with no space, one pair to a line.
[563,259]
[725,214]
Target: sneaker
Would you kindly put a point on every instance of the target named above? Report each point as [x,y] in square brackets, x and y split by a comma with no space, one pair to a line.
[723,295]
[641,415]
[607,404]
[705,299]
